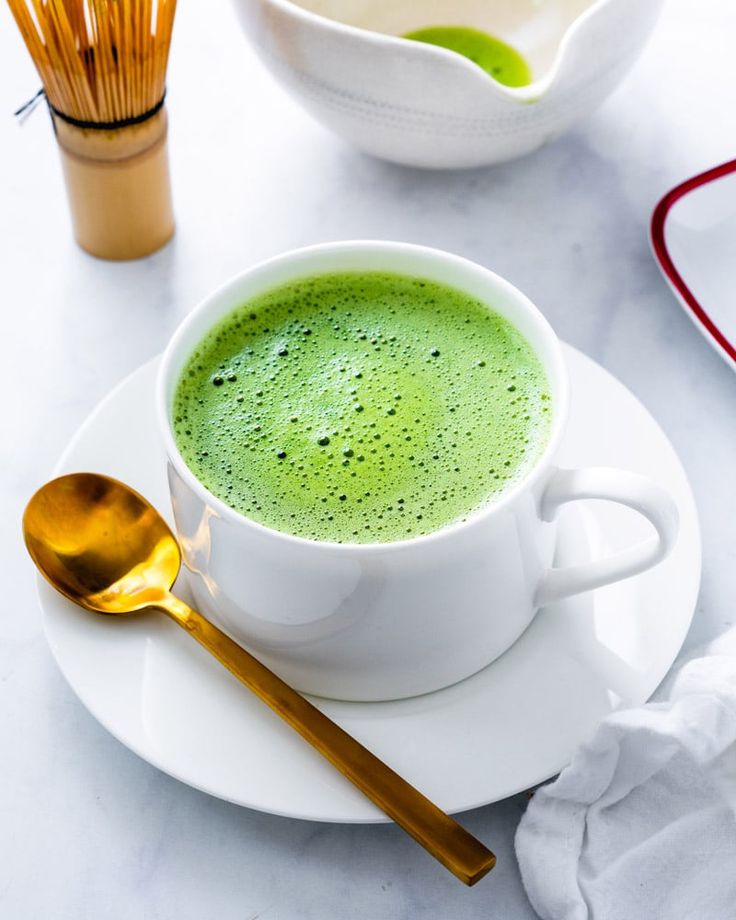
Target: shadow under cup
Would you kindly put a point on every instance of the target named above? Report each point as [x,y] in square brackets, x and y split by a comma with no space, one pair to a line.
[382,620]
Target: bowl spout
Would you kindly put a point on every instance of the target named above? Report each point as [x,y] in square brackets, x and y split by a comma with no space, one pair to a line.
[536,30]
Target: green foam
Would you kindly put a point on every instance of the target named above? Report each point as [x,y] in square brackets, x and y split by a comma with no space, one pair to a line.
[361,407]
[498,59]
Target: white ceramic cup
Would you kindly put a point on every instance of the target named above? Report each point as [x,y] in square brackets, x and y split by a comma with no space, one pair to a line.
[390,620]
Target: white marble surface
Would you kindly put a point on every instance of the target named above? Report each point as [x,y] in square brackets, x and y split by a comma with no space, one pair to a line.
[87,830]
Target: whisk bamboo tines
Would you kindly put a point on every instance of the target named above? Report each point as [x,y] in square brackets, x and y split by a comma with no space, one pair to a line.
[103,66]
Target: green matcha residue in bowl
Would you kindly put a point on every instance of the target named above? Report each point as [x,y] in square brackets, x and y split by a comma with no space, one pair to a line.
[498,59]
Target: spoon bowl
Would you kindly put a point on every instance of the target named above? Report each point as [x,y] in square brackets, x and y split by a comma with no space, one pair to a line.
[103,546]
[100,543]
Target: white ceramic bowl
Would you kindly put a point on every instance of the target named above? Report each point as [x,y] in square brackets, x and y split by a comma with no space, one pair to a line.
[421,105]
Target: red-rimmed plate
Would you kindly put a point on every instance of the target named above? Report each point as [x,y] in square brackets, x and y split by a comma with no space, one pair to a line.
[693,235]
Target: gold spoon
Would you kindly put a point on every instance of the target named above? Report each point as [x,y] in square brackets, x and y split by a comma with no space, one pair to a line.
[106,548]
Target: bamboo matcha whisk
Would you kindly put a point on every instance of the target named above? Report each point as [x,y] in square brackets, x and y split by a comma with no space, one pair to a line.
[103,67]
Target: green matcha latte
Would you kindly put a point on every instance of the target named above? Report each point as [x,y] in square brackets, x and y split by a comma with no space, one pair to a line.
[361,407]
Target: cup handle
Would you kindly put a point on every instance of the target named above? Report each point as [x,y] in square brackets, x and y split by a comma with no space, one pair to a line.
[613,485]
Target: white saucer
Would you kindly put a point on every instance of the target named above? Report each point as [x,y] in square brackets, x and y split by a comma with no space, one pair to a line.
[501,731]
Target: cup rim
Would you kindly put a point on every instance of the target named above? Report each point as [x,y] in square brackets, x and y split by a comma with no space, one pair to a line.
[229,289]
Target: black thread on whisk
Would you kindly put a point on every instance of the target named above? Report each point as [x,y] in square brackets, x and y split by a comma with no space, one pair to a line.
[110,125]
[29,106]
[25,110]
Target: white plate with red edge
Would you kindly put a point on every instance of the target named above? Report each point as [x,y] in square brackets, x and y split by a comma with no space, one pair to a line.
[693,233]
[503,730]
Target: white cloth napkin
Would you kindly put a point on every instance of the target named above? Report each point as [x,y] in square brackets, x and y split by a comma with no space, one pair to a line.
[642,824]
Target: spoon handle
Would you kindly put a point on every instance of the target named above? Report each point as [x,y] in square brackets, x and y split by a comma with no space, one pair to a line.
[437,832]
